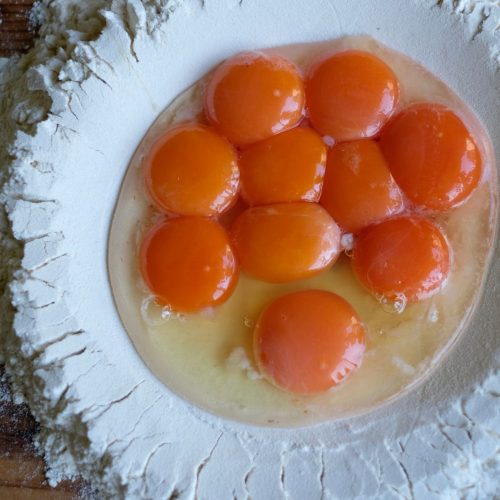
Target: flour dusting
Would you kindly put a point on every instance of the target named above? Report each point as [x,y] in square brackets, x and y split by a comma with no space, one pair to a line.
[73,110]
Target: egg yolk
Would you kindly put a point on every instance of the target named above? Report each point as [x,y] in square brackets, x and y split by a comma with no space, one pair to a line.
[286,167]
[403,258]
[308,341]
[285,242]
[253,96]
[432,156]
[192,170]
[188,263]
[351,95]
[358,189]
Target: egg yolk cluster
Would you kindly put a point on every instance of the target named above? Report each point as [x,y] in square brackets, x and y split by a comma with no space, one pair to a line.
[261,156]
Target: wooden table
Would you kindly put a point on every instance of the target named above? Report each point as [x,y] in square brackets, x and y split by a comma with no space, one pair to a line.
[21,468]
[16,33]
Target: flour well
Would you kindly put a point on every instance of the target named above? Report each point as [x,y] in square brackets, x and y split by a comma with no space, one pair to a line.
[73,111]
[186,352]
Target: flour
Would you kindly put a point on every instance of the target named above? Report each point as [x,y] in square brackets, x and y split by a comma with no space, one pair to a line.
[73,111]
[238,360]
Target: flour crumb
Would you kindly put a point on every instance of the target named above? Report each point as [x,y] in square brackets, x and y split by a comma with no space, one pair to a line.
[239,360]
[433,314]
[403,366]
[347,242]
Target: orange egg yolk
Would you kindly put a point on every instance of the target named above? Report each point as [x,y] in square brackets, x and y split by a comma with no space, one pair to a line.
[351,95]
[285,242]
[432,156]
[286,167]
[402,258]
[188,263]
[192,170]
[358,189]
[253,96]
[297,198]
[308,341]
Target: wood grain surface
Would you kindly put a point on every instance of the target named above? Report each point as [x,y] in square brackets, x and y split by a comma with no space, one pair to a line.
[21,467]
[16,30]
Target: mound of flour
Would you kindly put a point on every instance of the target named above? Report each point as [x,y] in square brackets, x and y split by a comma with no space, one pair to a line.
[72,112]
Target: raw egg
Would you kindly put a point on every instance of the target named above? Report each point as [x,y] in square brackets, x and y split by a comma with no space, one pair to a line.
[405,258]
[253,96]
[192,170]
[350,95]
[359,189]
[432,156]
[309,341]
[188,263]
[206,354]
[285,242]
[286,167]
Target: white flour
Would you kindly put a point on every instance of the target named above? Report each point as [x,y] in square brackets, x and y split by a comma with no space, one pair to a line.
[72,111]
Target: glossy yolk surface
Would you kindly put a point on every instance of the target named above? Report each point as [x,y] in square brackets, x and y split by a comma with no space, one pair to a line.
[287,167]
[351,95]
[192,170]
[432,156]
[308,341]
[253,96]
[358,189]
[402,258]
[188,263]
[285,242]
